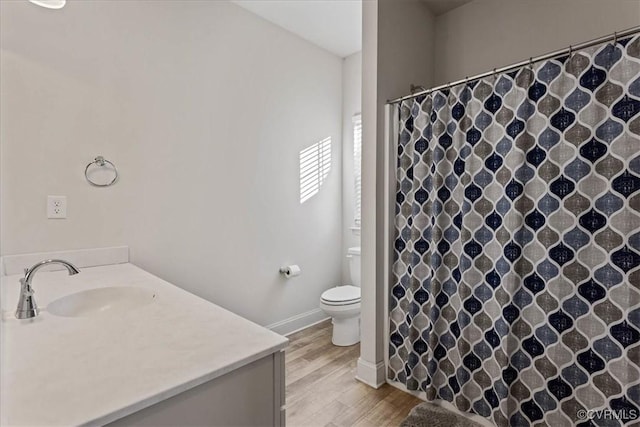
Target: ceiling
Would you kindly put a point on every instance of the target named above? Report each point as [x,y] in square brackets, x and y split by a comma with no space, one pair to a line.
[334,25]
[438,7]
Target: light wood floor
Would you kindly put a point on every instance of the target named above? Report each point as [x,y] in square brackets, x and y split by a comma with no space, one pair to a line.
[322,389]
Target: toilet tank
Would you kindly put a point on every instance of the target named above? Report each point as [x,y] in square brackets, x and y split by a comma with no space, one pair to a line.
[354,265]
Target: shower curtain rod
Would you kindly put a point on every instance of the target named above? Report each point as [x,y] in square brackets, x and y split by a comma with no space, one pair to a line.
[569,50]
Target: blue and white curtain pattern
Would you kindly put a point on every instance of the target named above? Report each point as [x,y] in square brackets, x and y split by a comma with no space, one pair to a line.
[516,276]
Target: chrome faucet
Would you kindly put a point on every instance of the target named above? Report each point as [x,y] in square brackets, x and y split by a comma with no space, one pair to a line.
[27,307]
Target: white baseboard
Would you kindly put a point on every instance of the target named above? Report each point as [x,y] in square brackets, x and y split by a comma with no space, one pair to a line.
[371,374]
[298,322]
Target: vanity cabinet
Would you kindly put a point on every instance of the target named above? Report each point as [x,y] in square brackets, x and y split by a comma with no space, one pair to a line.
[252,395]
[155,365]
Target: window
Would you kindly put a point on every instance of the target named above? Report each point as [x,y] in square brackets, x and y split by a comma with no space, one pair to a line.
[357,167]
[315,164]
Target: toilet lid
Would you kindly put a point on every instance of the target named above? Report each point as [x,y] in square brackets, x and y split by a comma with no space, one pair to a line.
[342,294]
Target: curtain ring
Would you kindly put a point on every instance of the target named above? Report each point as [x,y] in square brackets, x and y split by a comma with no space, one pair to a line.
[531,62]
[570,51]
[615,38]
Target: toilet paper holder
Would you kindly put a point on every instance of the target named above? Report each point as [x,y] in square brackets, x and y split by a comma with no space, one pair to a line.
[290,270]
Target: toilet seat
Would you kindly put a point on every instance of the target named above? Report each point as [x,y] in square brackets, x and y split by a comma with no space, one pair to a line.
[341,295]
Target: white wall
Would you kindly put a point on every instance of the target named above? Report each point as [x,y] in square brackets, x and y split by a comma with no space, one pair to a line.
[351,105]
[397,50]
[204,108]
[487,34]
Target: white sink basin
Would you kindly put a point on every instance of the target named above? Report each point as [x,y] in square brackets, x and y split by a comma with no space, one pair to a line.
[111,300]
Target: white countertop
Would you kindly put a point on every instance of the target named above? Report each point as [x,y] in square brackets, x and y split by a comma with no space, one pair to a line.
[94,370]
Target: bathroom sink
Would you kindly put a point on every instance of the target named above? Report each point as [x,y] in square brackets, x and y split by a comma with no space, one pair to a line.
[111,300]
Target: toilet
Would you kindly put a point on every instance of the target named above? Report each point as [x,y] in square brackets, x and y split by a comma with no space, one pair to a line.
[342,303]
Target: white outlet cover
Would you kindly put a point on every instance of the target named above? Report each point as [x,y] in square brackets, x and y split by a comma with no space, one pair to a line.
[56,207]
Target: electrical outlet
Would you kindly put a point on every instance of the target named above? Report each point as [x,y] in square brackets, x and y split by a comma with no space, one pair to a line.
[56,207]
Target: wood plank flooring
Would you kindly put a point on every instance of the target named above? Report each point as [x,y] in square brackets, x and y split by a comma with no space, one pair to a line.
[322,389]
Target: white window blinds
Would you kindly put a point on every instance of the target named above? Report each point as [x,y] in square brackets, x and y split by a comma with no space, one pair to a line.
[315,164]
[357,166]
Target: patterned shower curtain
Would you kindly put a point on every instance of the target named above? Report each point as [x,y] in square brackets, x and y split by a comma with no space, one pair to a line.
[516,276]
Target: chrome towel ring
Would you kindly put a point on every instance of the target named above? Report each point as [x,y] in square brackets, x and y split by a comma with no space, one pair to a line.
[101,162]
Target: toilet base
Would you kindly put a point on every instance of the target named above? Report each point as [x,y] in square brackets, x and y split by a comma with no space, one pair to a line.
[346,332]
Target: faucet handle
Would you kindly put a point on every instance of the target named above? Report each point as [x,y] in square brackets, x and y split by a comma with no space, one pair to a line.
[27,307]
[24,289]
